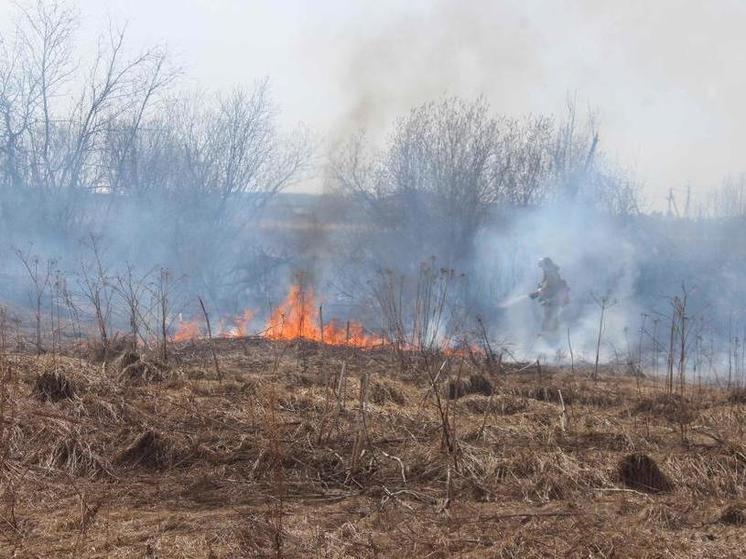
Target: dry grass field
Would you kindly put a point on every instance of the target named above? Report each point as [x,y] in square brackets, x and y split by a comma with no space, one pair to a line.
[302,450]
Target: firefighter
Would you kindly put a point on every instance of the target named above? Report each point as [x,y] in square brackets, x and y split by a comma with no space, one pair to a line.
[552,293]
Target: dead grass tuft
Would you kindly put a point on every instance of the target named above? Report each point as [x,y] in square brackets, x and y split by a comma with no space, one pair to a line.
[126,358]
[669,406]
[737,396]
[639,471]
[76,458]
[141,372]
[663,516]
[475,384]
[734,514]
[53,386]
[150,450]
[504,404]
[382,391]
[548,394]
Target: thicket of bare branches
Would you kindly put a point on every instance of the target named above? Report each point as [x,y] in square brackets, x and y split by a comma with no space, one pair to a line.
[448,164]
[108,145]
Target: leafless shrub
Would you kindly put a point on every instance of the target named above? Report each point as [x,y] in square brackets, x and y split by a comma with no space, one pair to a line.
[418,314]
[132,289]
[96,289]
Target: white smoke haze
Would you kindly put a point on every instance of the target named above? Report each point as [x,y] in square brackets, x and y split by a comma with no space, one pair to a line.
[475,163]
[594,258]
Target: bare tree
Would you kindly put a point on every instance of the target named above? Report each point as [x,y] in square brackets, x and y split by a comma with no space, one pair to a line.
[46,29]
[435,176]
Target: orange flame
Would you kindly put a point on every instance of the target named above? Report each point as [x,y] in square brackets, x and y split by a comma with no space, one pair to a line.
[298,317]
[241,325]
[187,330]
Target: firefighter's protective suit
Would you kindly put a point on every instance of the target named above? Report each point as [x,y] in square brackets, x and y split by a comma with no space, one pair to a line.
[553,294]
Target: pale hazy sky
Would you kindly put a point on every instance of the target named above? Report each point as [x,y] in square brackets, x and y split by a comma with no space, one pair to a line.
[667,77]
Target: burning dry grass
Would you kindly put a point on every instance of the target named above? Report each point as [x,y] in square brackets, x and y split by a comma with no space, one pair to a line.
[306,450]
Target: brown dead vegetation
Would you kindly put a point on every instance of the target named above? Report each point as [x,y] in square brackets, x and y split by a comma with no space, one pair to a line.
[53,386]
[734,514]
[641,472]
[669,406]
[300,450]
[149,450]
[474,384]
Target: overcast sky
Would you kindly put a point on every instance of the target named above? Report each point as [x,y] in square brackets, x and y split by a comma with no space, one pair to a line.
[667,77]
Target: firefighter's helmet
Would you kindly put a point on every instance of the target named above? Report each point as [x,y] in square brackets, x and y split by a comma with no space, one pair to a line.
[546,264]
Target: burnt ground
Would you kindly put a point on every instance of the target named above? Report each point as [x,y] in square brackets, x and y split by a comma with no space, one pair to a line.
[287,455]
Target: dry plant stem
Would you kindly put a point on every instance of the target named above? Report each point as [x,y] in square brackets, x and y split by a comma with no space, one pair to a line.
[433,382]
[572,357]
[483,338]
[131,289]
[683,334]
[603,304]
[488,411]
[401,465]
[342,388]
[321,322]
[361,437]
[210,340]
[164,310]
[563,413]
[449,490]
[444,423]
[276,453]
[670,359]
[97,290]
